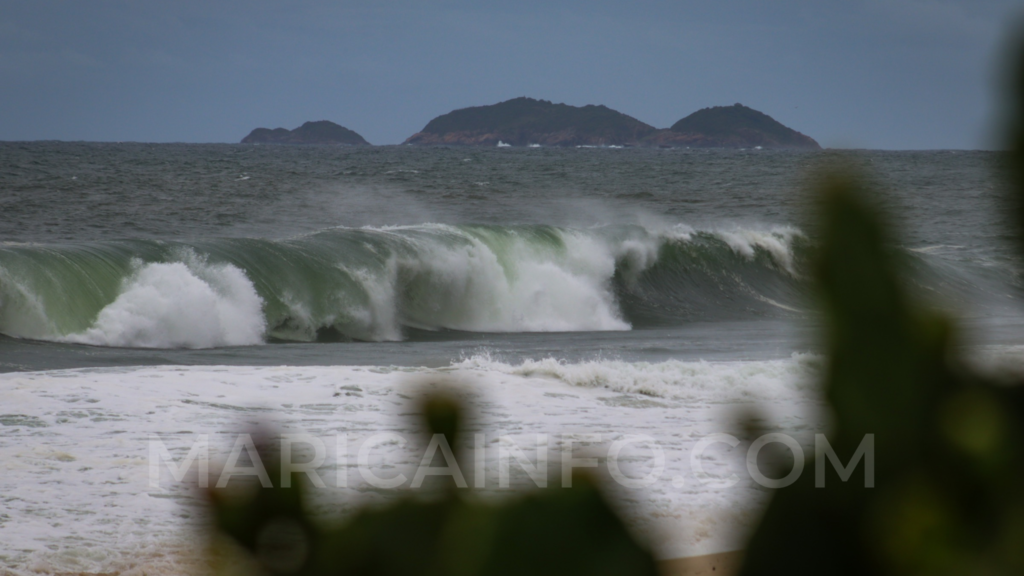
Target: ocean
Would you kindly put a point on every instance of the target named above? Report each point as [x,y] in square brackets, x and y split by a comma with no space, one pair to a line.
[160,293]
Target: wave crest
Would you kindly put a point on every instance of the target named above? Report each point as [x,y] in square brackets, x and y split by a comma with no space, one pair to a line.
[368,283]
[188,304]
[710,382]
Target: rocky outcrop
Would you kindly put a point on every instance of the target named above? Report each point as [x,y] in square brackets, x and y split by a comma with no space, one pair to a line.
[525,121]
[735,126]
[322,132]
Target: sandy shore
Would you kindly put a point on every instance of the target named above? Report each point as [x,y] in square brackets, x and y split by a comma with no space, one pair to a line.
[721,564]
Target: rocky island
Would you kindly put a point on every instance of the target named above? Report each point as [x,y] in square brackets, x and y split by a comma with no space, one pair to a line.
[735,126]
[321,132]
[525,121]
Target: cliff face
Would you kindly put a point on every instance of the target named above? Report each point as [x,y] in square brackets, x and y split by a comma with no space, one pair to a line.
[322,132]
[733,126]
[524,121]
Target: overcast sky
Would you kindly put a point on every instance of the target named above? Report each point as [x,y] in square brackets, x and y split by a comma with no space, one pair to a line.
[901,74]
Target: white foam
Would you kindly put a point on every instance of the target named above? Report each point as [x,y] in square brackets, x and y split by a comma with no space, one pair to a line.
[379,320]
[936,248]
[1002,361]
[521,288]
[22,312]
[180,305]
[481,280]
[75,468]
[716,382]
[777,242]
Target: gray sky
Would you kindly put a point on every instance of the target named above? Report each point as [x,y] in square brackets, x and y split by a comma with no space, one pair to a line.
[867,73]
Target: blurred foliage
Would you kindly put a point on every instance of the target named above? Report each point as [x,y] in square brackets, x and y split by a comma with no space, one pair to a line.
[552,531]
[949,442]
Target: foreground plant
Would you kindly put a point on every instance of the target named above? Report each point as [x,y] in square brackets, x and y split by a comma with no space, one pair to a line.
[557,531]
[948,442]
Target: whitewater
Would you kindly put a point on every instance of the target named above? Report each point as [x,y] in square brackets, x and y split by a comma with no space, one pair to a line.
[83,436]
[649,300]
[369,283]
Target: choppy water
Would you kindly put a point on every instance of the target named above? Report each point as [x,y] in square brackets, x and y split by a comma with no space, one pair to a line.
[212,246]
[624,291]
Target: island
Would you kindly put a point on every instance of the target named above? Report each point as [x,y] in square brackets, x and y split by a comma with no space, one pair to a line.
[529,122]
[322,132]
[526,121]
[735,126]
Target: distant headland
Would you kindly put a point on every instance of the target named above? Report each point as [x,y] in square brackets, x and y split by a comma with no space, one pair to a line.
[529,122]
[321,132]
[733,126]
[526,121]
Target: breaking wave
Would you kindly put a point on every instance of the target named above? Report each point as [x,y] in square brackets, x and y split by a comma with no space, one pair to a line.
[176,305]
[712,382]
[370,283]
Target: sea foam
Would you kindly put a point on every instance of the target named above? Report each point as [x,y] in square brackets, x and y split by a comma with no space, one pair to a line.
[88,488]
[180,305]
